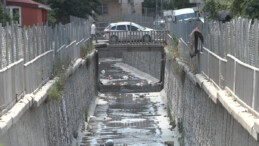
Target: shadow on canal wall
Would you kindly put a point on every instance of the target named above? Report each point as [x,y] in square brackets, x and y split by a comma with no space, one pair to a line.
[150,60]
[204,121]
[56,122]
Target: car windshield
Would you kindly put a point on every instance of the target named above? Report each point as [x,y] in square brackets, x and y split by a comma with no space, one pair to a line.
[139,26]
[108,27]
[185,16]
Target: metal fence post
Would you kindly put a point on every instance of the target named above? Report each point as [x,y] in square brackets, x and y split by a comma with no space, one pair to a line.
[38,40]
[1,46]
[256,51]
[24,45]
[30,43]
[12,44]
[17,41]
[42,38]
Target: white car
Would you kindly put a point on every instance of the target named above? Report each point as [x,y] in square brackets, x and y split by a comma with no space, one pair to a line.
[128,31]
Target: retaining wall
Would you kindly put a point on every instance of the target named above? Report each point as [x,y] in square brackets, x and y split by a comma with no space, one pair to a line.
[41,122]
[148,61]
[203,114]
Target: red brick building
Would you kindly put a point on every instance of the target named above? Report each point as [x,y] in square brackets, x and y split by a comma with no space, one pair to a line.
[27,12]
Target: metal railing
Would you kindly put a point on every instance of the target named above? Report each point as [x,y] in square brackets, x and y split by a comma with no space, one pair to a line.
[229,58]
[238,37]
[137,37]
[28,55]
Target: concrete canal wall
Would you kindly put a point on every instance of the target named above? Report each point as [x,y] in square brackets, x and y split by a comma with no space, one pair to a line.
[53,122]
[203,112]
[148,60]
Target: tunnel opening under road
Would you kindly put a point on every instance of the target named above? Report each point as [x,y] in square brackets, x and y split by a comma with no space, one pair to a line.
[131,69]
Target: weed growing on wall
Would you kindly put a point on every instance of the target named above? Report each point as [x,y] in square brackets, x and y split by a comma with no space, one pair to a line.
[173,48]
[55,92]
[88,61]
[179,71]
[75,134]
[86,49]
[180,129]
[181,140]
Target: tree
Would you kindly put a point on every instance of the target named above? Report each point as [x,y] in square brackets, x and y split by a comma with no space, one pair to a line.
[250,9]
[168,4]
[212,7]
[236,7]
[62,9]
[7,16]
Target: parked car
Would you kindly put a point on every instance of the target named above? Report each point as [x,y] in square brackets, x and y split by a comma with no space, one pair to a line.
[126,31]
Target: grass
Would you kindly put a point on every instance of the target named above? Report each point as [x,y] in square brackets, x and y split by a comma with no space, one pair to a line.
[55,92]
[180,129]
[181,140]
[86,49]
[173,49]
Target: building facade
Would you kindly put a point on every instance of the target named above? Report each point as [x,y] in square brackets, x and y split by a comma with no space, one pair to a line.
[116,10]
[27,12]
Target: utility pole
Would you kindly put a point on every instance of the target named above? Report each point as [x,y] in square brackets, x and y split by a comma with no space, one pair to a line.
[4,12]
[156,8]
[161,8]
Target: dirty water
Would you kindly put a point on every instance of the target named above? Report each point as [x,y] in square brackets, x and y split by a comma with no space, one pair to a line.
[128,119]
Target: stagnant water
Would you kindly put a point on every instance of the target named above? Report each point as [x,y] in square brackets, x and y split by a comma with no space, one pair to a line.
[130,118]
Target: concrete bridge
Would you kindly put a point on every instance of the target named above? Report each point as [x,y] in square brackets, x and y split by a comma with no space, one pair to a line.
[128,94]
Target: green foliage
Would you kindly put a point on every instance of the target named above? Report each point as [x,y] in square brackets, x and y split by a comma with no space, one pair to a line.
[88,61]
[181,140]
[85,49]
[51,18]
[236,7]
[212,7]
[7,16]
[63,9]
[173,49]
[168,4]
[250,9]
[54,93]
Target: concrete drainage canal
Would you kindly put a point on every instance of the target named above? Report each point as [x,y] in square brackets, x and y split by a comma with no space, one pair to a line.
[130,108]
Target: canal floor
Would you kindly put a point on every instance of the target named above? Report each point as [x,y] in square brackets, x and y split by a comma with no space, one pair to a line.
[137,119]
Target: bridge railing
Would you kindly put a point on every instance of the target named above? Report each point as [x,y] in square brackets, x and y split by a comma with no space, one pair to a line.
[137,37]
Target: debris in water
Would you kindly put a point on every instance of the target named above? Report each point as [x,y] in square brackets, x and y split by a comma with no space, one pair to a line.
[169,143]
[109,142]
[125,77]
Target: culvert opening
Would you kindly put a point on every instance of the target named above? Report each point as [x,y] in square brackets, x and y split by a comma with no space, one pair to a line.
[131,69]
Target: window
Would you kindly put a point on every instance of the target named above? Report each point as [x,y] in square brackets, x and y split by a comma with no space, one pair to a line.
[132,28]
[121,27]
[15,14]
[113,28]
[103,9]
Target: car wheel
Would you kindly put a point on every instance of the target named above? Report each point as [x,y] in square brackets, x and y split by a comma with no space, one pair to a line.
[146,38]
[114,39]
